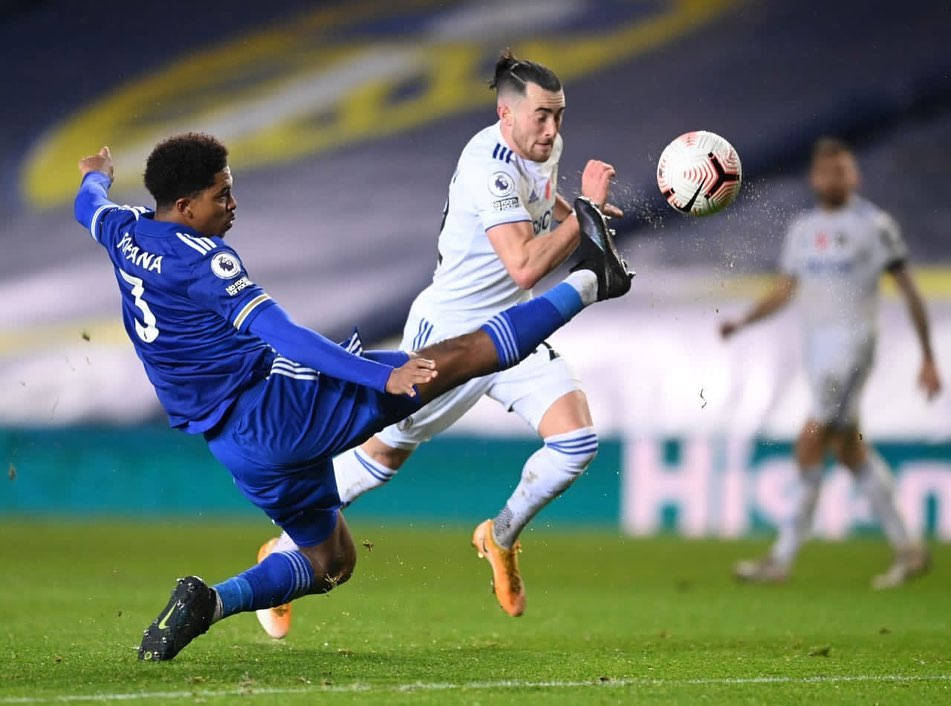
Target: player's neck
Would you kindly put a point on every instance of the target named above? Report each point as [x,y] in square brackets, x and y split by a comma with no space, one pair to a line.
[509,142]
[836,205]
[170,215]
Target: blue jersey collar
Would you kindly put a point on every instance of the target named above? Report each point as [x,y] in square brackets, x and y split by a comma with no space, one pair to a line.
[147,225]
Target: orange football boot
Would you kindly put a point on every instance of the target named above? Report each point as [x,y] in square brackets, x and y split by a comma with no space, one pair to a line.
[506,581]
[276,621]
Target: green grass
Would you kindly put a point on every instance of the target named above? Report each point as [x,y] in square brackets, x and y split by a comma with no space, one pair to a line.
[652,621]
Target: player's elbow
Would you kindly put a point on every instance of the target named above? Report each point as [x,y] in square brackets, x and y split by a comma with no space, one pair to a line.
[525,277]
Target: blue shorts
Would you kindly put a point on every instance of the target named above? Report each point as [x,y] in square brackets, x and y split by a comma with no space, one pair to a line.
[280,437]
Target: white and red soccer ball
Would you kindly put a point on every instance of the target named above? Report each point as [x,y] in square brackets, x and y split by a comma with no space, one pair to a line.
[699,173]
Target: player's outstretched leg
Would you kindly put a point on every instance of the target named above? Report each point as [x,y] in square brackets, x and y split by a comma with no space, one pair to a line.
[512,335]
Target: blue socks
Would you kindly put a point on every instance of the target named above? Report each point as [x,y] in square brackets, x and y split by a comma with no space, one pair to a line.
[280,578]
[520,329]
[234,596]
[566,299]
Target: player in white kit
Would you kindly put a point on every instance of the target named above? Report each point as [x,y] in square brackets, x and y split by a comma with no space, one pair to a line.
[834,256]
[504,228]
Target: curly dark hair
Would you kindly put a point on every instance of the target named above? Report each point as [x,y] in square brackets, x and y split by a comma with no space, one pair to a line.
[512,73]
[183,165]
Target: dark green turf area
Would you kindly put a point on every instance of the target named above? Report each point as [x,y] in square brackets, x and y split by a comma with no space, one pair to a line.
[609,620]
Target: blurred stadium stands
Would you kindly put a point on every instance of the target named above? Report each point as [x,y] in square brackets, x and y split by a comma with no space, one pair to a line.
[345,120]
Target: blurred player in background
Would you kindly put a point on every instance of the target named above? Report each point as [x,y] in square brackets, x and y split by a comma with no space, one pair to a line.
[502,199]
[276,401]
[834,255]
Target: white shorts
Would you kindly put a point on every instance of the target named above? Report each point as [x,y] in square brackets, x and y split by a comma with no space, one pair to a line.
[838,367]
[529,389]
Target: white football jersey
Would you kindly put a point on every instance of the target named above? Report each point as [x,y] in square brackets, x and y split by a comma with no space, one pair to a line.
[838,257]
[492,185]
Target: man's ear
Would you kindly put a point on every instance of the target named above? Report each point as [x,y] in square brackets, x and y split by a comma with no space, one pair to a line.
[504,111]
[183,207]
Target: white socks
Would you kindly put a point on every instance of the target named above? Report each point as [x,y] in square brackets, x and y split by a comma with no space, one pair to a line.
[875,480]
[797,527]
[546,474]
[357,473]
[585,282]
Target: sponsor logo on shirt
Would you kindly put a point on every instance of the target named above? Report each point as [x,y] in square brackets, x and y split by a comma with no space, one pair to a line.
[236,287]
[225,265]
[817,266]
[542,224]
[506,204]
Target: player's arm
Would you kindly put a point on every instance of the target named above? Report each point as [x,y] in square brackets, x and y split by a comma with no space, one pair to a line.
[93,196]
[527,258]
[778,296]
[928,377]
[309,348]
[562,209]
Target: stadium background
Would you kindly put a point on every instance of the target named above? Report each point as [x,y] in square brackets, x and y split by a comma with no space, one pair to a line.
[345,120]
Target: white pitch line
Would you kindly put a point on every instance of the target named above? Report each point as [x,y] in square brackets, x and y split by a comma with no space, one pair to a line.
[466,686]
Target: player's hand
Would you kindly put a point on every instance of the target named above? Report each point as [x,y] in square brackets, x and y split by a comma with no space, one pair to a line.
[612,211]
[596,181]
[101,162]
[415,371]
[928,379]
[728,328]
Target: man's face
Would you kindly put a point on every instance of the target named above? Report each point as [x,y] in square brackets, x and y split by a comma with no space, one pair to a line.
[535,120]
[833,178]
[211,211]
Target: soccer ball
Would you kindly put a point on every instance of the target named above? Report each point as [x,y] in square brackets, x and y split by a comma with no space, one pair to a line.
[699,173]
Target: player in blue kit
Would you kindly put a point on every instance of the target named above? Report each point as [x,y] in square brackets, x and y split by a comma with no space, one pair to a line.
[276,401]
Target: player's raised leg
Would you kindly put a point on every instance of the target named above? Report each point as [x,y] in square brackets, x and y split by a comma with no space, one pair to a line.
[515,333]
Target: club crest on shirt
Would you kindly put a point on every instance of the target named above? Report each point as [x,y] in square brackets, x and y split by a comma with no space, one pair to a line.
[501,184]
[225,265]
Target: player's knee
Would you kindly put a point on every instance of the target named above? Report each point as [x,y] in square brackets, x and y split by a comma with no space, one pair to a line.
[332,566]
[391,457]
[333,572]
[346,571]
[810,444]
[344,563]
[575,454]
[342,570]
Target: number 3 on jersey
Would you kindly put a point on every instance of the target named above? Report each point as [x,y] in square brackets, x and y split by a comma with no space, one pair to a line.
[149,332]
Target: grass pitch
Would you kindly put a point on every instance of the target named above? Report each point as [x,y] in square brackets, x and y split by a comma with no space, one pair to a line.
[609,620]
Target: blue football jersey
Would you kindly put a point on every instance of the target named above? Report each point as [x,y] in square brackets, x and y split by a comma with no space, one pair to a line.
[187,303]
